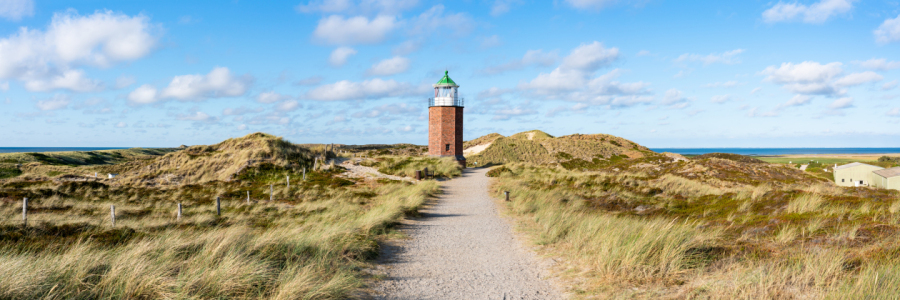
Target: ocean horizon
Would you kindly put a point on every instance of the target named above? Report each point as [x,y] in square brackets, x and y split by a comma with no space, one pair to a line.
[683,151]
[778,151]
[56,149]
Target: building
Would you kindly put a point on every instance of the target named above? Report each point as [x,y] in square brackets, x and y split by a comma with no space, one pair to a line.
[886,178]
[445,121]
[855,174]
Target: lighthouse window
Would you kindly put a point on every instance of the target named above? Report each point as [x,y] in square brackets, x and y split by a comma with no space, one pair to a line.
[448,147]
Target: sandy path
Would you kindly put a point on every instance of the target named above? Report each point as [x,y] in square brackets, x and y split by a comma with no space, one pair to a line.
[461,249]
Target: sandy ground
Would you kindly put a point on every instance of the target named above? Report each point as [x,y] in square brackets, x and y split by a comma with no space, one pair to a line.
[476,149]
[356,171]
[462,249]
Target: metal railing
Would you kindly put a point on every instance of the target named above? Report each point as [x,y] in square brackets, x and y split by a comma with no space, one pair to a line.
[446,101]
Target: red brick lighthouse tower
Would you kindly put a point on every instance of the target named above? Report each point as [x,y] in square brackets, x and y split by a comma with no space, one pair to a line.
[445,121]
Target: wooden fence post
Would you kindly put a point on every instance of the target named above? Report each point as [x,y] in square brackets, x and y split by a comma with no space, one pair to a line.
[304,174]
[179,212]
[112,214]
[507,195]
[271,192]
[218,207]
[288,181]
[25,211]
[248,197]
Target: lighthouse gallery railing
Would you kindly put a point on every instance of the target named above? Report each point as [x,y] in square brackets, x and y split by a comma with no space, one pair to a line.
[446,101]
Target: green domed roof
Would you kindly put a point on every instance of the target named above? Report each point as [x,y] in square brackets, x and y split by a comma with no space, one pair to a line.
[446,80]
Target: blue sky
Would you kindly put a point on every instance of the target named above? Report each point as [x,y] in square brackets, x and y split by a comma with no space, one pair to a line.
[662,73]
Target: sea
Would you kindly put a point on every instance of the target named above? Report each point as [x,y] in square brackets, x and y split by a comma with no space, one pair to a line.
[683,151]
[778,151]
[55,149]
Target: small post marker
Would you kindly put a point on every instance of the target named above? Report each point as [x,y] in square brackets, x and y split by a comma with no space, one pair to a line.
[112,214]
[418,174]
[304,174]
[507,195]
[179,212]
[288,181]
[271,192]
[25,211]
[218,206]
[248,197]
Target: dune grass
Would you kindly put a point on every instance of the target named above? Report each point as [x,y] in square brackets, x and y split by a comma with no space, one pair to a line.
[287,249]
[294,238]
[667,234]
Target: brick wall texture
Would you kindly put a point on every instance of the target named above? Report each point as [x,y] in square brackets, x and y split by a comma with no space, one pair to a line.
[445,126]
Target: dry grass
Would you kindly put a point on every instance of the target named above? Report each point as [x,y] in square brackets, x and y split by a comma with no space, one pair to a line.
[664,233]
[310,242]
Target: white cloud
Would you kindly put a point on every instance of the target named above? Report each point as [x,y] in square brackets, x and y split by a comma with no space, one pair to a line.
[124,81]
[727,57]
[491,41]
[890,85]
[816,13]
[270,97]
[501,7]
[340,55]
[573,80]
[121,125]
[889,31]
[720,98]
[754,113]
[756,90]
[289,105]
[842,103]
[58,101]
[879,64]
[434,19]
[507,113]
[531,57]
[314,80]
[574,72]
[242,127]
[858,78]
[407,47]
[675,99]
[46,60]
[390,66]
[337,30]
[493,92]
[797,100]
[74,80]
[14,10]
[590,4]
[407,128]
[4,86]
[642,53]
[144,94]
[367,89]
[196,116]
[894,112]
[806,78]
[217,83]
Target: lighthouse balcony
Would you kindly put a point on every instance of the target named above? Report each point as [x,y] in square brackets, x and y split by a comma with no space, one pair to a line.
[446,101]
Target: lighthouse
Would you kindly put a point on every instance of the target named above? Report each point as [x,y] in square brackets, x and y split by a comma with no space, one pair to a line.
[445,121]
